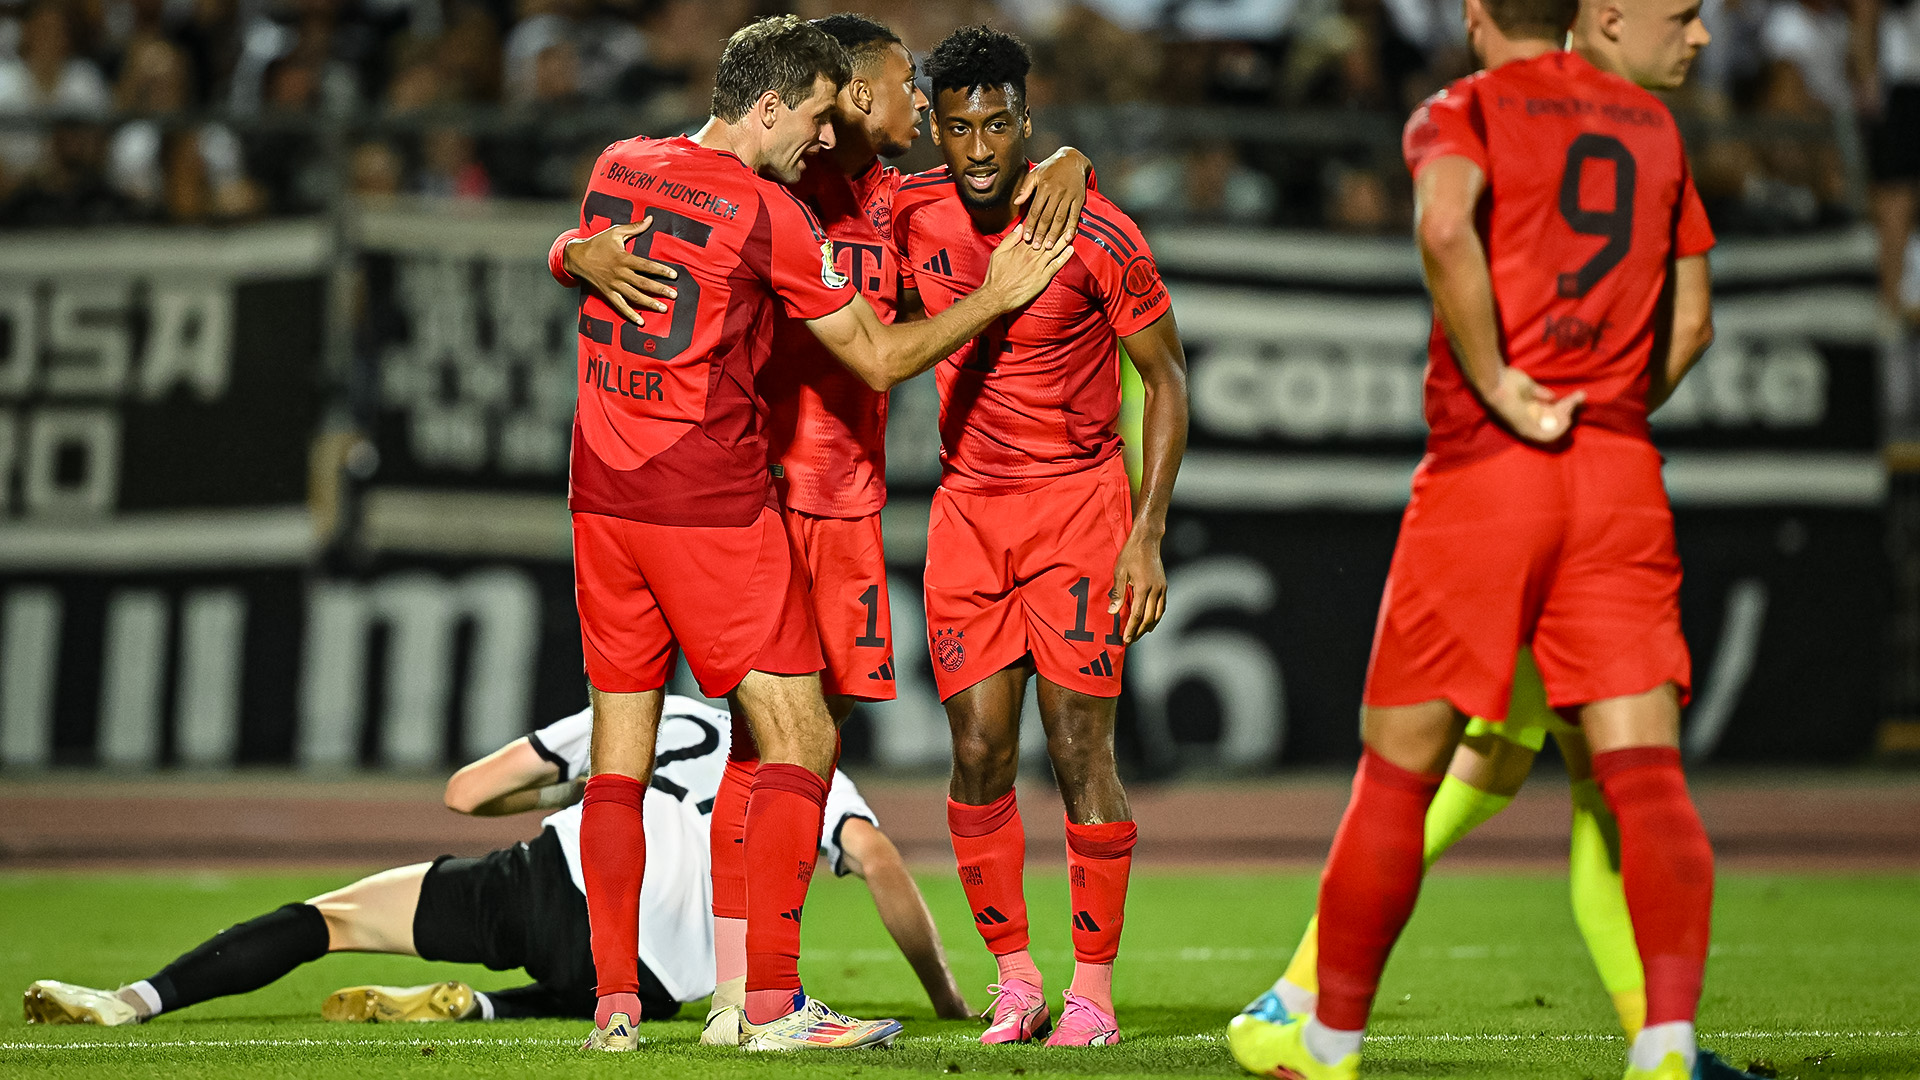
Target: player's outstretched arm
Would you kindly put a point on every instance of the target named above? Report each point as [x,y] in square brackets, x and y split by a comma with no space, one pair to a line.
[1162,363]
[1689,327]
[1445,194]
[872,857]
[1054,192]
[624,280]
[511,780]
[885,356]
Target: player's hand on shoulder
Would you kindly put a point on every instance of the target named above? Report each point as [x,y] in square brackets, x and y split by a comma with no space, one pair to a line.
[1017,272]
[1530,410]
[1139,570]
[1054,192]
[624,280]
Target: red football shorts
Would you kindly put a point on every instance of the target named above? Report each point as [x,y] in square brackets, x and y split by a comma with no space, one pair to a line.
[845,570]
[1009,575]
[728,598]
[1570,552]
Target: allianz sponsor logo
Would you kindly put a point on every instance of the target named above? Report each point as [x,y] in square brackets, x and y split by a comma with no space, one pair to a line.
[1324,391]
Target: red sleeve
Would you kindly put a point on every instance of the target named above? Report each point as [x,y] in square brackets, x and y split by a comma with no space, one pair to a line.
[1446,125]
[1692,233]
[557,258]
[1122,268]
[802,271]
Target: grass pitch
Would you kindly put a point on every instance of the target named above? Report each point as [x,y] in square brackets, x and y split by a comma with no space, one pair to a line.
[1818,976]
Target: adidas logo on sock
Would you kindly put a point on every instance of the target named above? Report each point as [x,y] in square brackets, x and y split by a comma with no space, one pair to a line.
[939,264]
[792,914]
[883,674]
[1102,665]
[989,917]
[1084,921]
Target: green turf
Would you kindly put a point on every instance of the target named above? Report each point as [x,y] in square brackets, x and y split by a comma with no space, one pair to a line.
[1818,975]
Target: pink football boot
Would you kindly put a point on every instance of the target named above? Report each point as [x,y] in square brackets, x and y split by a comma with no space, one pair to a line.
[1019,1013]
[1083,1024]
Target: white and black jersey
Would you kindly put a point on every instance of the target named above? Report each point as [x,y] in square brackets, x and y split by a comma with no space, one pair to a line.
[676,895]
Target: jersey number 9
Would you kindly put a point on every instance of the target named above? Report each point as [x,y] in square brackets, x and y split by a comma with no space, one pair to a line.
[1615,224]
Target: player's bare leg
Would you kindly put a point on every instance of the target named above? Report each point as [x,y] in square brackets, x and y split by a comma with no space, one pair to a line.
[990,843]
[1492,764]
[1666,863]
[613,855]
[839,707]
[798,744]
[375,914]
[1100,839]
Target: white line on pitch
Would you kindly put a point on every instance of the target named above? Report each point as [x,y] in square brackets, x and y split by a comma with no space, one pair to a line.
[405,1043]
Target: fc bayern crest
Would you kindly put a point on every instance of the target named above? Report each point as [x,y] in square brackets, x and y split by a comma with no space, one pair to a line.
[948,650]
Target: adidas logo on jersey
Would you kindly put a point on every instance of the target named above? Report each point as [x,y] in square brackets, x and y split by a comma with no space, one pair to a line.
[938,264]
[1102,665]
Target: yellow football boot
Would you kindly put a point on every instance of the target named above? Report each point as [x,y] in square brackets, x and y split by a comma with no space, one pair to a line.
[395,1004]
[1268,1049]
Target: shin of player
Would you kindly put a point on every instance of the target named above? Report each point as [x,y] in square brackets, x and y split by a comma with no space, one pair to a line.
[1015,586]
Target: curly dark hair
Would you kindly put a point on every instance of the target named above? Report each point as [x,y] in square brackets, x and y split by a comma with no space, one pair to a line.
[781,53]
[980,56]
[866,40]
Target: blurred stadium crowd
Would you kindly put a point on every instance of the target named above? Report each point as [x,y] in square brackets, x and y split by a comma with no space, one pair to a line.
[195,110]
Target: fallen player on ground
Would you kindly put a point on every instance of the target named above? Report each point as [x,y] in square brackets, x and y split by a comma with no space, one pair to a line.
[523,906]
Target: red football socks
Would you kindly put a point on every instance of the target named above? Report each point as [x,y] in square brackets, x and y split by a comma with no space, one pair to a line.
[783,841]
[990,848]
[727,839]
[1370,884]
[1099,858]
[1666,869]
[613,860]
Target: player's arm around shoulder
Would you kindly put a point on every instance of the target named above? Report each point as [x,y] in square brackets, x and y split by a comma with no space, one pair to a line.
[1054,193]
[603,261]
[885,356]
[511,780]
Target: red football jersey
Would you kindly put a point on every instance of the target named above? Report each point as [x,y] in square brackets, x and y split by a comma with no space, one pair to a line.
[828,429]
[1588,198]
[1037,395]
[669,428]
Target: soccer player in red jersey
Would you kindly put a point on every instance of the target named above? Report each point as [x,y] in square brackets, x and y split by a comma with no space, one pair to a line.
[1560,233]
[1651,43]
[1033,525]
[827,427]
[673,506]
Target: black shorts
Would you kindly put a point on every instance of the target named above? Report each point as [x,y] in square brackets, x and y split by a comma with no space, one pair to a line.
[1893,141]
[519,908]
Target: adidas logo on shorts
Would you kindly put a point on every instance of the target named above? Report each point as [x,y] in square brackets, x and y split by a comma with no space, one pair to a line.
[1102,666]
